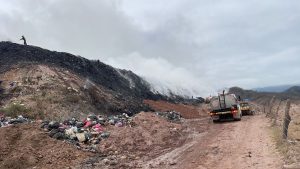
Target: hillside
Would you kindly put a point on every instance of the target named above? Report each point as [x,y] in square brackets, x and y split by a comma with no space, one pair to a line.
[277,89]
[263,97]
[60,84]
[121,81]
[294,91]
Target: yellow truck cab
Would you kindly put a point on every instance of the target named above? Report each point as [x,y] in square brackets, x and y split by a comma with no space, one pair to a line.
[246,108]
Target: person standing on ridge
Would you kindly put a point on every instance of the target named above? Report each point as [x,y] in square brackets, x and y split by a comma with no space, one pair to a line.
[23,38]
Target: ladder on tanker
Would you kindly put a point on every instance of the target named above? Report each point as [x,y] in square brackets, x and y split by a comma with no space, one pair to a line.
[222,100]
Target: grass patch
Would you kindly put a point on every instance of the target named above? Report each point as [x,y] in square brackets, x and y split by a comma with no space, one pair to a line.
[281,144]
[15,109]
[44,93]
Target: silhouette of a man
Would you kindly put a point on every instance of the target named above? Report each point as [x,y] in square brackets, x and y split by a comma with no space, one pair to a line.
[23,39]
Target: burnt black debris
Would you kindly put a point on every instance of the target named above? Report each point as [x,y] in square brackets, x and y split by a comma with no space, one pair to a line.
[123,84]
[127,87]
[8,121]
[98,72]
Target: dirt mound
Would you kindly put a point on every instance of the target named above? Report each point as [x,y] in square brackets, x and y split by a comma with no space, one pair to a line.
[124,86]
[121,81]
[44,76]
[129,147]
[54,92]
[151,133]
[187,111]
[26,146]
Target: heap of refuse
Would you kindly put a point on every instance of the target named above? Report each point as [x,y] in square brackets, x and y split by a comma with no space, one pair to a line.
[120,120]
[8,121]
[90,131]
[170,115]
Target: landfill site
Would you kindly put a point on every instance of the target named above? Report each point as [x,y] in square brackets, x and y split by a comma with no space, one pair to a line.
[64,111]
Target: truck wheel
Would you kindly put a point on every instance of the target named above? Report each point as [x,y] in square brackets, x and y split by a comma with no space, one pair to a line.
[216,121]
[239,118]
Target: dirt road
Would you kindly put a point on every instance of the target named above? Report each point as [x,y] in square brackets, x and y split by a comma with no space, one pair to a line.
[226,145]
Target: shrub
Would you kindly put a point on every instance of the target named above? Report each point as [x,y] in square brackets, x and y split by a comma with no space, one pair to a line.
[15,109]
[44,93]
[280,143]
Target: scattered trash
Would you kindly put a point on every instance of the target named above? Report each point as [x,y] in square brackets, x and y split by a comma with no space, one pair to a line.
[121,120]
[97,128]
[7,121]
[170,115]
[249,154]
[12,84]
[172,163]
[84,134]
[119,124]
[87,133]
[105,135]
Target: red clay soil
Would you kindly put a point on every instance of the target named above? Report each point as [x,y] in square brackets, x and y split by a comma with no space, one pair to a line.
[27,146]
[187,111]
[149,136]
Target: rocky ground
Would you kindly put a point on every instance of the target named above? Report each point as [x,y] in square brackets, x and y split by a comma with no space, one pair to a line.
[29,146]
[43,84]
[154,142]
[187,111]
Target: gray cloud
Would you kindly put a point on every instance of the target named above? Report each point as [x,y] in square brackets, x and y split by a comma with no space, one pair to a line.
[192,47]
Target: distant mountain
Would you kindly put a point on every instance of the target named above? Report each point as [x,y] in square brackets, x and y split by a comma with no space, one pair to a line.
[250,94]
[276,89]
[263,97]
[295,90]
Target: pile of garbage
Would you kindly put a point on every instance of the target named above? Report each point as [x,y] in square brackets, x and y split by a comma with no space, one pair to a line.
[90,131]
[170,115]
[120,120]
[8,121]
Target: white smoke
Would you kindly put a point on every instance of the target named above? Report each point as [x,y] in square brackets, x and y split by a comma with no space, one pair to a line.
[164,77]
[180,45]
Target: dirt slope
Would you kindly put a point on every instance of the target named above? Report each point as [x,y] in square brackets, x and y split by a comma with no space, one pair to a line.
[39,70]
[25,146]
[227,145]
[187,111]
[120,81]
[54,92]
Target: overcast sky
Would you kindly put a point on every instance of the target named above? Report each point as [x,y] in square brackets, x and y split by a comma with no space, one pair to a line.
[191,46]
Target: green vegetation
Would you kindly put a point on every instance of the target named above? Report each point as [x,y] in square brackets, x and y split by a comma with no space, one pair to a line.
[281,144]
[15,109]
